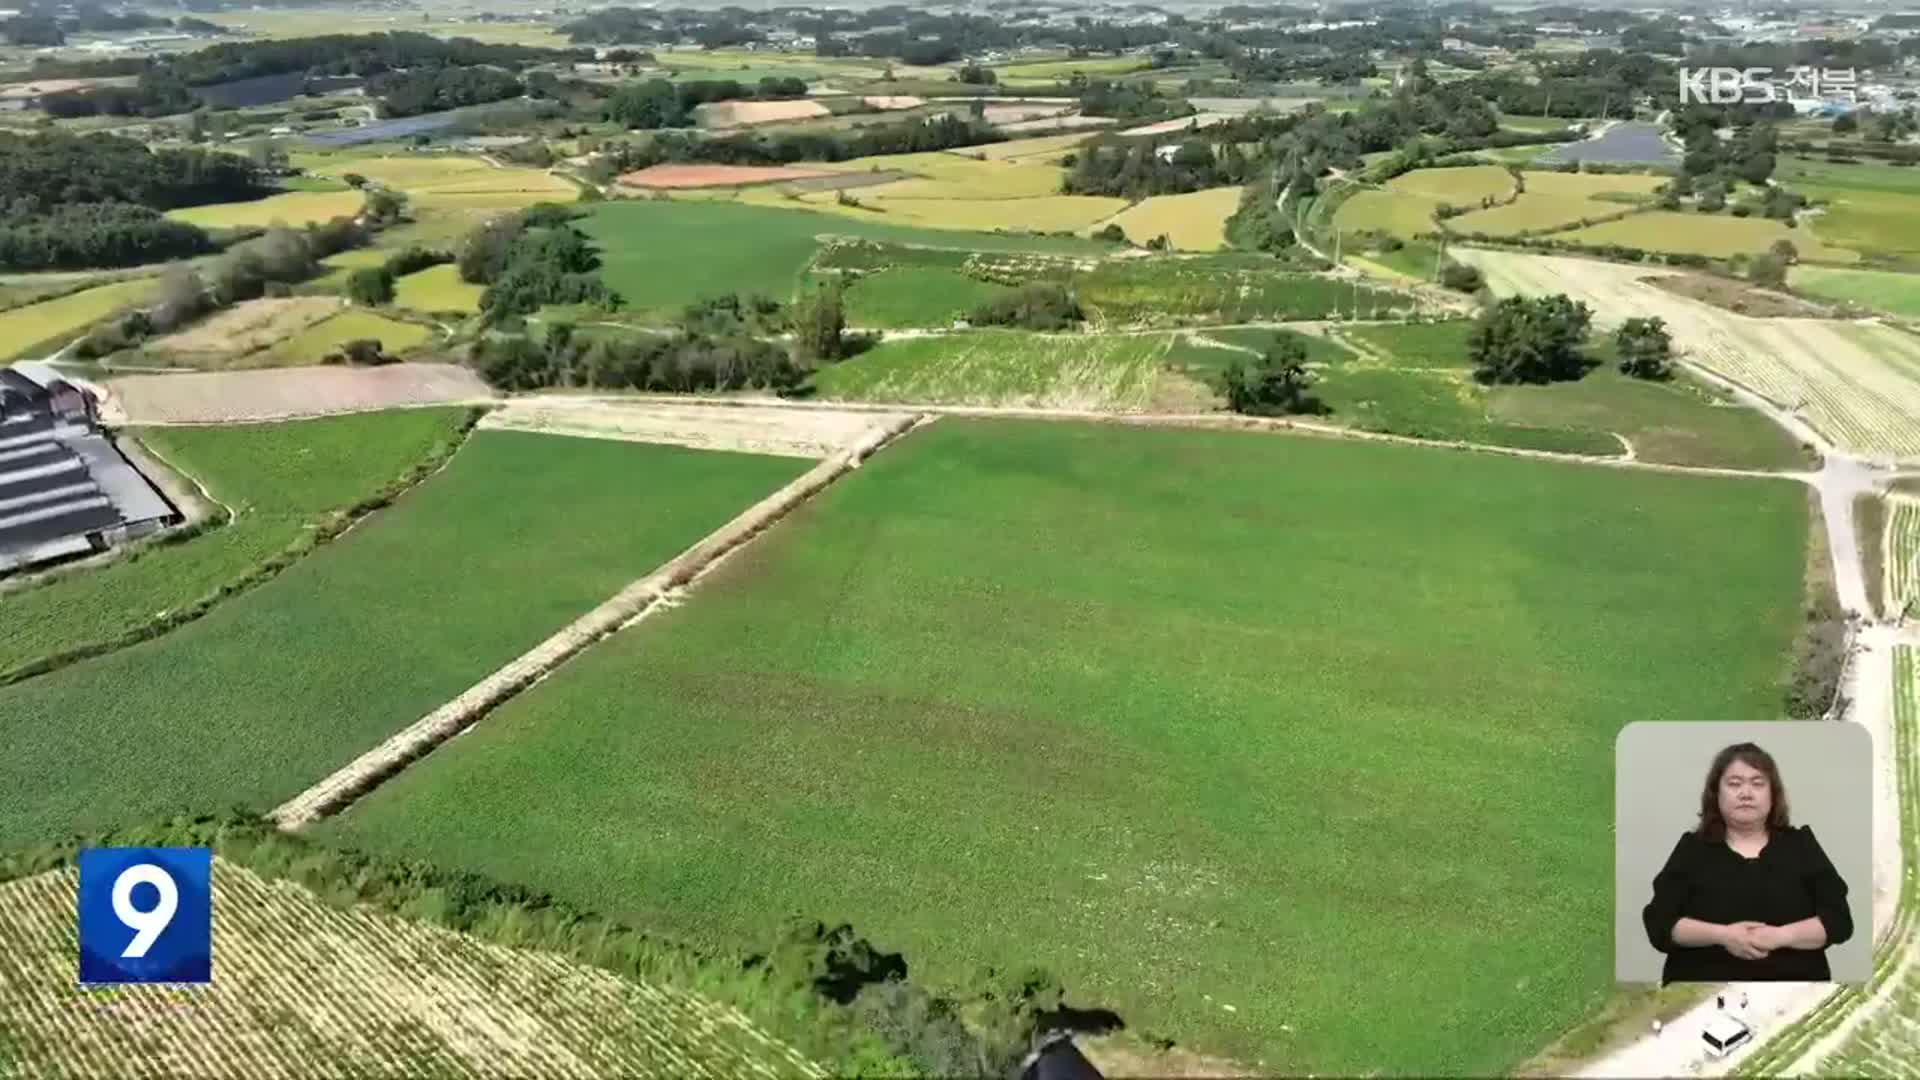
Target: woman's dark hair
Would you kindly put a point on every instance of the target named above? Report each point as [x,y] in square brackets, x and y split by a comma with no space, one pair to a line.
[1712,825]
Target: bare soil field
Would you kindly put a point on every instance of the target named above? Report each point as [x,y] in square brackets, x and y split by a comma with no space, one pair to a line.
[731,114]
[703,176]
[1857,383]
[1738,297]
[891,102]
[756,429]
[375,994]
[250,325]
[214,397]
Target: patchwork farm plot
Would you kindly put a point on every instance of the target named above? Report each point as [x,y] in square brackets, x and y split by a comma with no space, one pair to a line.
[1857,383]
[1453,626]
[292,208]
[1868,208]
[438,289]
[315,343]
[1556,200]
[1196,221]
[1719,236]
[729,248]
[252,326]
[283,485]
[377,995]
[27,332]
[1462,186]
[518,536]
[1013,190]
[1126,372]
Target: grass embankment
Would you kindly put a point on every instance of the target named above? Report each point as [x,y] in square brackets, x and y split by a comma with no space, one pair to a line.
[276,688]
[291,486]
[1178,647]
[29,332]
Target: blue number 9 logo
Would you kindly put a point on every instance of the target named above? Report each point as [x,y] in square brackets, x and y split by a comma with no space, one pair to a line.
[146,915]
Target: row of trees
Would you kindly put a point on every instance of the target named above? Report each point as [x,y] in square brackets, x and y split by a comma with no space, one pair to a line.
[436,89]
[658,103]
[1135,169]
[912,136]
[267,265]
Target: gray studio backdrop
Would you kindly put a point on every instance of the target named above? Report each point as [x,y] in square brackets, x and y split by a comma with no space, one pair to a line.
[1660,767]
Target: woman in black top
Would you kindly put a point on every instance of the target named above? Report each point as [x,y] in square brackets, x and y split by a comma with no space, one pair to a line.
[1745,896]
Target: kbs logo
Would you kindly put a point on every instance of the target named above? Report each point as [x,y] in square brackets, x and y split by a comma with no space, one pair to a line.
[1757,86]
[1726,86]
[146,915]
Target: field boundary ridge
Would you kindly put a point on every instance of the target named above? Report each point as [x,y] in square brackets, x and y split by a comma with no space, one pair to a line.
[416,740]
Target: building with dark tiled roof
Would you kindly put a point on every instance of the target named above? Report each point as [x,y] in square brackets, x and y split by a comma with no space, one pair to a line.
[65,490]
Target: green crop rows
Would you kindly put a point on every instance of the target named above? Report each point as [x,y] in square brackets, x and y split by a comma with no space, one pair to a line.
[285,484]
[272,690]
[1072,695]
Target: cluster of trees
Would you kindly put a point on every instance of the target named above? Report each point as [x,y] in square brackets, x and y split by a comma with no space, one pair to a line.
[677,363]
[1274,384]
[1877,126]
[157,92]
[1260,223]
[1645,348]
[56,168]
[1135,169]
[1043,305]
[44,25]
[87,235]
[657,103]
[1749,155]
[1127,100]
[436,89]
[1530,339]
[531,259]
[70,201]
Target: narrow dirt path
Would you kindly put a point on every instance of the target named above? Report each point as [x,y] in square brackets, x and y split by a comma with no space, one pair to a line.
[661,588]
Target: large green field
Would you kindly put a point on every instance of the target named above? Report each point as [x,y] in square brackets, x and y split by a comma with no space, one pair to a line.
[284,483]
[274,689]
[662,255]
[1297,751]
[1008,367]
[1882,290]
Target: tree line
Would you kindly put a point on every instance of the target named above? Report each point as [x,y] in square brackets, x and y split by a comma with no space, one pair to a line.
[658,103]
[81,201]
[943,132]
[437,89]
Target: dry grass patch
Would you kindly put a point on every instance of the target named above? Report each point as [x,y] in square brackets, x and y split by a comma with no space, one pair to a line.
[1196,221]
[291,208]
[732,114]
[243,328]
[1462,186]
[1719,236]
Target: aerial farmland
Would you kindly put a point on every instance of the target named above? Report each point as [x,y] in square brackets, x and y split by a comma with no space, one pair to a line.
[675,542]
